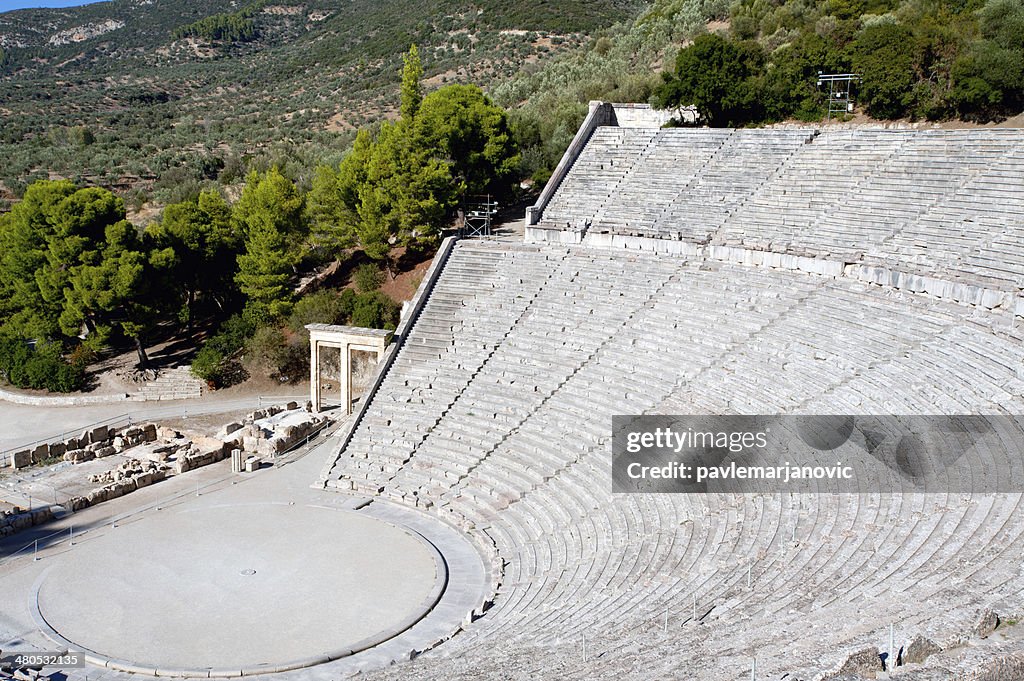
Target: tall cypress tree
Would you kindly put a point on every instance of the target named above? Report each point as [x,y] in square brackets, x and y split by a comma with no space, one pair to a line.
[412,90]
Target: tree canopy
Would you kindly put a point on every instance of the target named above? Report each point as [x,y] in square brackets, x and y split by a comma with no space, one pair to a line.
[717,77]
[269,216]
[73,265]
[402,181]
[915,59]
[194,245]
[412,89]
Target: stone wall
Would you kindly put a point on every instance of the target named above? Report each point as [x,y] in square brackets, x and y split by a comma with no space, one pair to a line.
[18,519]
[66,400]
[93,443]
[646,116]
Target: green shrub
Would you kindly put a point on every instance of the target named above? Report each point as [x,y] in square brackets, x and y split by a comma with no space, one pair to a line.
[212,363]
[42,367]
[322,307]
[368,278]
[207,364]
[232,334]
[347,301]
[375,310]
[265,350]
[273,354]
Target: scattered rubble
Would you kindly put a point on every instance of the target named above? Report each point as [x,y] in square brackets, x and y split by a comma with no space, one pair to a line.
[154,453]
[271,431]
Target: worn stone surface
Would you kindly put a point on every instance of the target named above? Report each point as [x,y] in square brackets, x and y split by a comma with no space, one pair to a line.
[865,662]
[987,623]
[919,650]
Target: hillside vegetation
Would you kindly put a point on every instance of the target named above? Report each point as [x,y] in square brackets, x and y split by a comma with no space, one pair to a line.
[919,59]
[159,100]
[750,62]
[160,97]
[77,278]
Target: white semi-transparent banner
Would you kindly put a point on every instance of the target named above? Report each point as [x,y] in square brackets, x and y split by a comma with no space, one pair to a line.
[827,454]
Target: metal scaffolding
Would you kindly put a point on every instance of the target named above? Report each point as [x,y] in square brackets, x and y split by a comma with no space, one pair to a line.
[840,87]
[478,218]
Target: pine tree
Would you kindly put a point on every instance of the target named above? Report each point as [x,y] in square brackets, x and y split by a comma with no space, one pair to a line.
[269,215]
[112,288]
[24,242]
[194,248]
[332,219]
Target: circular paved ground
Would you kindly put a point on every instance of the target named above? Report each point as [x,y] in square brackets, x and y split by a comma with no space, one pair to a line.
[239,587]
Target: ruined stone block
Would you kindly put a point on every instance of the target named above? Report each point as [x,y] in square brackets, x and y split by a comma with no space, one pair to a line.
[987,623]
[866,662]
[265,448]
[40,453]
[21,459]
[99,434]
[81,455]
[232,427]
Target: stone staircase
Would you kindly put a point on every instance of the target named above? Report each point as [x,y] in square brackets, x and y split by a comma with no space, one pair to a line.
[173,384]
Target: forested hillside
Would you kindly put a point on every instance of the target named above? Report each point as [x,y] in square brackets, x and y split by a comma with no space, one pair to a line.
[78,280]
[917,59]
[157,97]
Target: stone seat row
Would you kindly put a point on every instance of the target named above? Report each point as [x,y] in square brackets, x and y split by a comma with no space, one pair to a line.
[529,470]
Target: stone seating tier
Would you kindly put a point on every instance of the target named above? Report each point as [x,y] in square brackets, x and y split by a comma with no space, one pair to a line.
[503,429]
[943,203]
